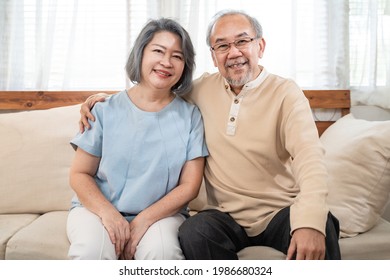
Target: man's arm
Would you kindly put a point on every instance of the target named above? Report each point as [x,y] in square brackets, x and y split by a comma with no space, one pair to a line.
[86,107]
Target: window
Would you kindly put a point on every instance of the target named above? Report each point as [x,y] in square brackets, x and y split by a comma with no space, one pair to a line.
[369,39]
[70,44]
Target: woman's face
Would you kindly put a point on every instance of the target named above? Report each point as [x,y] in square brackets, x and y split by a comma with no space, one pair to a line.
[162,61]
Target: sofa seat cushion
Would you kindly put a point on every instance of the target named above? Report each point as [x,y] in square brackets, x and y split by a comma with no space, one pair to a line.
[260,253]
[371,245]
[45,238]
[9,225]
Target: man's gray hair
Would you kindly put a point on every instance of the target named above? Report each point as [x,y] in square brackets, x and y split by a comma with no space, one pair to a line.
[253,21]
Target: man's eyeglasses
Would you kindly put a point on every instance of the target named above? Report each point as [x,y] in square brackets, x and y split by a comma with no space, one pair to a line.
[239,44]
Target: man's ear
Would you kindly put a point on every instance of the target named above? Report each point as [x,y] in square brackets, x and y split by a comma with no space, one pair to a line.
[214,58]
[261,47]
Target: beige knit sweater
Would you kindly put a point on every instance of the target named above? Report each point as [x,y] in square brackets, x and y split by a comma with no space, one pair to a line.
[265,153]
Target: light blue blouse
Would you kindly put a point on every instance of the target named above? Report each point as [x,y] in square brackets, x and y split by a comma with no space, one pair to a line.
[142,153]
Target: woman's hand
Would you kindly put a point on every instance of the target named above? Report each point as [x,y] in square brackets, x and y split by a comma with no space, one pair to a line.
[118,228]
[82,181]
[138,227]
[170,204]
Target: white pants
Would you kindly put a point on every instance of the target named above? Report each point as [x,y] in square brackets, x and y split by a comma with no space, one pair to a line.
[90,240]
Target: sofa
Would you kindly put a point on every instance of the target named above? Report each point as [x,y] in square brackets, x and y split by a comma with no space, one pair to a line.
[35,156]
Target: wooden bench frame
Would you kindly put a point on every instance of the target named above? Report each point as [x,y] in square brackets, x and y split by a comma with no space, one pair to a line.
[35,100]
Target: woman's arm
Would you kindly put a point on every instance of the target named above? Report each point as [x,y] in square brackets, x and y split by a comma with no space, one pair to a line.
[187,189]
[82,171]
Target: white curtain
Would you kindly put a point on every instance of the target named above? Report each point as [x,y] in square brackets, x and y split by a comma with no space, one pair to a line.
[83,44]
[370,52]
[62,44]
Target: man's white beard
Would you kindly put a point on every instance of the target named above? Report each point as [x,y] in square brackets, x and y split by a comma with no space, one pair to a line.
[239,82]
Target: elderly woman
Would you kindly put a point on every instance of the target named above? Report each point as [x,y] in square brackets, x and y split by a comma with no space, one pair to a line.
[142,160]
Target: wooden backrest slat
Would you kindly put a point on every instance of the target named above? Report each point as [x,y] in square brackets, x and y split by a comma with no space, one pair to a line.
[328,99]
[35,100]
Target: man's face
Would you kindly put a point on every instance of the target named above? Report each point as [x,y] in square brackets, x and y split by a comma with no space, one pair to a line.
[239,64]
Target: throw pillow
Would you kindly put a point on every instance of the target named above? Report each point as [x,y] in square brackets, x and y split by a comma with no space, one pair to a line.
[35,158]
[358,161]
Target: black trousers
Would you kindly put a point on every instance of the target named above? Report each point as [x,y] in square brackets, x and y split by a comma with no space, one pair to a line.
[214,235]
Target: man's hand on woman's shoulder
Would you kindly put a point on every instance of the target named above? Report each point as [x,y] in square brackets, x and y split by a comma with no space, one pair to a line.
[86,107]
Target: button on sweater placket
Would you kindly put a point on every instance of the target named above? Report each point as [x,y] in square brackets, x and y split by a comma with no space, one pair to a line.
[233,115]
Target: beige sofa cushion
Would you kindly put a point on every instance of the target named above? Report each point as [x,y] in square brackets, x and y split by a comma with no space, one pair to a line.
[358,160]
[260,253]
[43,239]
[371,245]
[35,159]
[9,225]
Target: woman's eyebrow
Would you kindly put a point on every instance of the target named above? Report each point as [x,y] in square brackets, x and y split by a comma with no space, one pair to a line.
[163,47]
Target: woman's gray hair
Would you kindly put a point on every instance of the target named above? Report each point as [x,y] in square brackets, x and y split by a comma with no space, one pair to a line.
[134,61]
[253,21]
